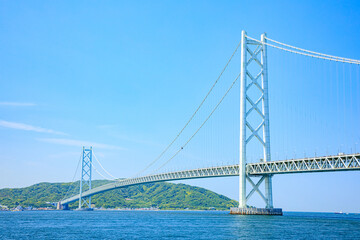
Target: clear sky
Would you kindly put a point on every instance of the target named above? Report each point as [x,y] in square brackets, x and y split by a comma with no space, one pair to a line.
[125,76]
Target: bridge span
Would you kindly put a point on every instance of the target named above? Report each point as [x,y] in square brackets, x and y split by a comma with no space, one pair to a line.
[254,128]
[348,162]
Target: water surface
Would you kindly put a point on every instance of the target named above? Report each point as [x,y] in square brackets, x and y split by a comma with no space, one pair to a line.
[175,225]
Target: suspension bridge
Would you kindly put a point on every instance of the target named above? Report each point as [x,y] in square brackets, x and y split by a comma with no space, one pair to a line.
[254,135]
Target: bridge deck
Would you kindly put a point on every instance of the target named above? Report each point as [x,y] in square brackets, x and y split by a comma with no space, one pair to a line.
[317,164]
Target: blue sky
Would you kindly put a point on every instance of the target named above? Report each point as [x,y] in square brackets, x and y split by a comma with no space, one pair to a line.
[125,77]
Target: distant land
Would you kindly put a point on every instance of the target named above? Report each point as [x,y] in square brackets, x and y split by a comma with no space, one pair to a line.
[165,196]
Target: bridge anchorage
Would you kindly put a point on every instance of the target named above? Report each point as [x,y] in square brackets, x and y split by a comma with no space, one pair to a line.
[254,129]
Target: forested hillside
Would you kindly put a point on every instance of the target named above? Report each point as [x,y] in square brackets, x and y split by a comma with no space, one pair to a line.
[161,195]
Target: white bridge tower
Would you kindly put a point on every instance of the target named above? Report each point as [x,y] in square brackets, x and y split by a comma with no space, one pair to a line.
[254,118]
[85,180]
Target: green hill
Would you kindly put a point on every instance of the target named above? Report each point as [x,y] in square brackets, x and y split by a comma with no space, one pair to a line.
[161,195]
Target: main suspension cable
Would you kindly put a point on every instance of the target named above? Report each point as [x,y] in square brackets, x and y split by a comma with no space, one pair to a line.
[192,116]
[316,53]
[109,179]
[103,167]
[192,136]
[72,181]
[336,59]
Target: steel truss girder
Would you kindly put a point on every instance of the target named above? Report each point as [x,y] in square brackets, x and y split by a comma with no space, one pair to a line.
[329,163]
[349,162]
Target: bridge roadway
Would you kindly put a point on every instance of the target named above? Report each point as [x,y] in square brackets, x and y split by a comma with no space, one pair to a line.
[316,164]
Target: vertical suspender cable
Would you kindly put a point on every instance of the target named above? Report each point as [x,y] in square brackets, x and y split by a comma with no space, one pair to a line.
[356,104]
[344,109]
[351,106]
[337,105]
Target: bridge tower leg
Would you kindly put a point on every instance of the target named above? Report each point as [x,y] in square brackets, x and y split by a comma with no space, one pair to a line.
[242,164]
[254,70]
[266,127]
[85,180]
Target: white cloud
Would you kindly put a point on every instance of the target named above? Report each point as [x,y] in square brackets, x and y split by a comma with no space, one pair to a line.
[17,104]
[26,127]
[79,143]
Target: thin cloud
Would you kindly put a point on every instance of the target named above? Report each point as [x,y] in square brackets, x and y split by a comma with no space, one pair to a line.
[26,127]
[79,143]
[17,104]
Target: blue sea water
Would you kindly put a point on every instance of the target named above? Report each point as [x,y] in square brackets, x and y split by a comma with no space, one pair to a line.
[175,225]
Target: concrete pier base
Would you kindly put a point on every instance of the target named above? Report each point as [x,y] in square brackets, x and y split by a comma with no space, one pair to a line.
[62,207]
[84,209]
[256,211]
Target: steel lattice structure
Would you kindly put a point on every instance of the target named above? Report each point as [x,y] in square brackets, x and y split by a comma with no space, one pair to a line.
[321,164]
[85,180]
[318,164]
[254,76]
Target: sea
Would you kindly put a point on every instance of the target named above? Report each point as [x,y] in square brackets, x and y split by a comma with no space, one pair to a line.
[175,225]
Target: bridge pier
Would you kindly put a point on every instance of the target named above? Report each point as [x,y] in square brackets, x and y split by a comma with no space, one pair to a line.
[256,211]
[62,206]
